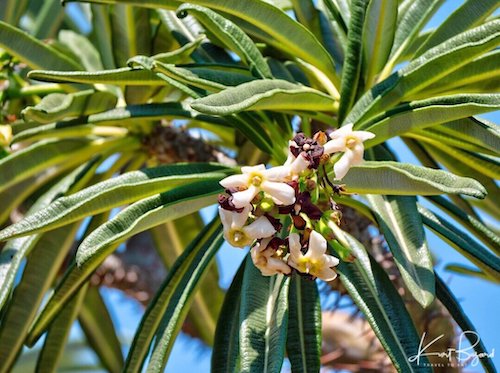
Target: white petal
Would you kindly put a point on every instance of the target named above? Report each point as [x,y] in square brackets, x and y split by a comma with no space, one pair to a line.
[243,198]
[278,266]
[342,132]
[283,193]
[317,246]
[363,135]
[279,173]
[294,244]
[330,261]
[342,166]
[226,218]
[234,181]
[335,145]
[357,154]
[299,164]
[326,274]
[260,228]
[249,169]
[240,218]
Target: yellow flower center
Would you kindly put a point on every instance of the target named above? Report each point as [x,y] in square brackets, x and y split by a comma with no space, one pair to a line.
[309,266]
[238,238]
[350,141]
[256,179]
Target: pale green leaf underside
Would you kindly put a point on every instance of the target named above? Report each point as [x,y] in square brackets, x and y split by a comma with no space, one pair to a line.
[264,95]
[393,178]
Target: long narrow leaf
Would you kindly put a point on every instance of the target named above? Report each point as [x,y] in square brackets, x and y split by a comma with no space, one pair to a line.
[115,192]
[136,218]
[97,325]
[453,306]
[403,230]
[226,349]
[263,320]
[166,311]
[303,344]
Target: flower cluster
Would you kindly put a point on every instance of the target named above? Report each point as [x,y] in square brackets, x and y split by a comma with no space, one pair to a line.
[259,202]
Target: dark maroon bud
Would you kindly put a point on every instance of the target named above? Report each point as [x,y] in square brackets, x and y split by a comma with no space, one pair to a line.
[274,222]
[226,202]
[285,210]
[306,206]
[276,243]
[298,222]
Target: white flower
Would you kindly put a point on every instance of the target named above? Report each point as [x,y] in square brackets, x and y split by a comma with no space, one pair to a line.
[239,235]
[296,164]
[315,261]
[265,259]
[257,178]
[351,143]
[5,135]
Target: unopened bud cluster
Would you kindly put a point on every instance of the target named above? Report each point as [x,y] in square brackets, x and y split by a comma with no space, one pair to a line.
[298,193]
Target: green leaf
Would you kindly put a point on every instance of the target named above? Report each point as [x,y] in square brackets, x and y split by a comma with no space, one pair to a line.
[460,241]
[33,52]
[473,225]
[181,55]
[425,70]
[171,239]
[231,36]
[467,271]
[101,33]
[378,35]
[484,70]
[426,113]
[394,178]
[414,17]
[287,34]
[44,154]
[470,14]
[41,269]
[375,295]
[12,10]
[48,20]
[14,252]
[97,325]
[400,222]
[490,203]
[475,130]
[101,242]
[129,115]
[180,294]
[263,321]
[118,191]
[145,214]
[67,130]
[58,333]
[168,309]
[121,76]
[303,345]
[204,77]
[131,32]
[453,306]
[264,95]
[82,48]
[226,348]
[486,165]
[351,71]
[56,106]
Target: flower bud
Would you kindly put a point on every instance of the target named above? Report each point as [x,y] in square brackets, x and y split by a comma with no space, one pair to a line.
[5,135]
